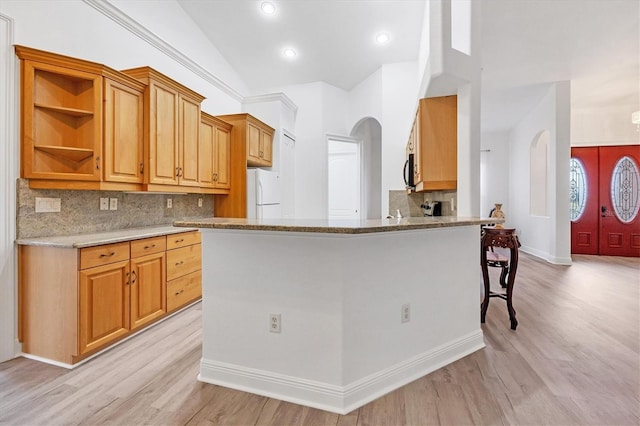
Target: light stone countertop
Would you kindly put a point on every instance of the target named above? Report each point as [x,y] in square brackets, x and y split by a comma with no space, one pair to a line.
[100,238]
[337,226]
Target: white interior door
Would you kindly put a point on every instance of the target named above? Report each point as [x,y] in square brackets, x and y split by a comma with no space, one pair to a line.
[344,179]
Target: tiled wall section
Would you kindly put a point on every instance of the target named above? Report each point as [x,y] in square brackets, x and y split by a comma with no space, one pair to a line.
[409,204]
[80,211]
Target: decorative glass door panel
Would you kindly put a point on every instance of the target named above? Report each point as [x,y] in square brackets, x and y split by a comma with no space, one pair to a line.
[605,211]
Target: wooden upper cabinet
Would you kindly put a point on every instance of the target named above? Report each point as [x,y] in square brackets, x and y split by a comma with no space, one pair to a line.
[61,117]
[82,124]
[123,131]
[259,144]
[436,144]
[188,158]
[251,144]
[215,155]
[172,132]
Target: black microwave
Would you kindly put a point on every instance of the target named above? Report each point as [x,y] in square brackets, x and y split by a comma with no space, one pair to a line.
[408,172]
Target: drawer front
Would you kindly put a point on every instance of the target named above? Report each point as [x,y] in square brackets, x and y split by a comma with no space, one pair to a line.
[183,261]
[183,239]
[103,255]
[148,246]
[184,290]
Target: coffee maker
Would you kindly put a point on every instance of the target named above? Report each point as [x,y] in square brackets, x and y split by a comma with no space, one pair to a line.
[432,208]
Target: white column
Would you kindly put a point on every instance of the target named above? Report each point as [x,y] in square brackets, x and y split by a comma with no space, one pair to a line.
[9,159]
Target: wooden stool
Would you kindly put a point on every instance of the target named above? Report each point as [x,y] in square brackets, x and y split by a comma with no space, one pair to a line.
[505,238]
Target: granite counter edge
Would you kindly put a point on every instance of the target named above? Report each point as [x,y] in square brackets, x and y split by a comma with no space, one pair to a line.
[333,229]
[101,238]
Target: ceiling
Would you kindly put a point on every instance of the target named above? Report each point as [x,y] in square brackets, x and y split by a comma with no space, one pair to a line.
[335,39]
[526,44]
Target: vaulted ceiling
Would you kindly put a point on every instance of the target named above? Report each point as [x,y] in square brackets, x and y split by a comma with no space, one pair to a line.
[526,44]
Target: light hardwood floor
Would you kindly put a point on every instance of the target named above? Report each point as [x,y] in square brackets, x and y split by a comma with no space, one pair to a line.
[574,359]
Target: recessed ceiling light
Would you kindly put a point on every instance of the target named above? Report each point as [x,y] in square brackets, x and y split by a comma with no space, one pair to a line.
[268,8]
[289,53]
[382,38]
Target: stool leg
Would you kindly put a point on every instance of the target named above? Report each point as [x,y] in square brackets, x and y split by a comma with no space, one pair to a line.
[503,276]
[512,277]
[487,286]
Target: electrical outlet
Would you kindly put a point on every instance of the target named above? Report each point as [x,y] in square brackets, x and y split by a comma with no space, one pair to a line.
[275,323]
[199,202]
[47,205]
[169,203]
[113,204]
[104,203]
[405,314]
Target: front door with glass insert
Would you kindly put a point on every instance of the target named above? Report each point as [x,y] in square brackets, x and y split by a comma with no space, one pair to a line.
[605,200]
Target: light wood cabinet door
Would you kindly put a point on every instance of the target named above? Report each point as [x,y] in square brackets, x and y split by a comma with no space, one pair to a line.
[189,122]
[163,135]
[104,304]
[266,147]
[148,289]
[435,139]
[222,158]
[253,143]
[259,146]
[215,153]
[123,133]
[206,151]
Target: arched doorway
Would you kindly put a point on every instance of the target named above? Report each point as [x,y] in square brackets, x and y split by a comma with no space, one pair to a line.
[369,131]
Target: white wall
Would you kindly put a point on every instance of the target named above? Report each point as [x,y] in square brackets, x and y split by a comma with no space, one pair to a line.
[369,131]
[157,34]
[279,112]
[547,237]
[98,31]
[494,171]
[600,126]
[399,103]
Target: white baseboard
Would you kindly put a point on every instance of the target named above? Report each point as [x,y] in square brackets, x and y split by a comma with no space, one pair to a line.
[546,256]
[334,398]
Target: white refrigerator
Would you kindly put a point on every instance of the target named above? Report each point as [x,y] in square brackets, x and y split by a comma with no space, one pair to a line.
[263,194]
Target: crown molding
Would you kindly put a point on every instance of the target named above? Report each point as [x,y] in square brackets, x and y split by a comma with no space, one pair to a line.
[133,26]
[272,97]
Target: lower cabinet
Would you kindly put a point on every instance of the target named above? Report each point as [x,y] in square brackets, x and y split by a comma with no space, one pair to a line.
[75,302]
[104,305]
[184,269]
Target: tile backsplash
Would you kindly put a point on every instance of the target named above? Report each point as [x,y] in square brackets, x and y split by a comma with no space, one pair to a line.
[80,211]
[409,204]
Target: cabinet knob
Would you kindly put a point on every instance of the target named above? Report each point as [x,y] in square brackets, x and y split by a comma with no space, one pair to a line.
[180,240]
[98,163]
[141,168]
[149,247]
[179,292]
[180,263]
[179,171]
[135,277]
[107,255]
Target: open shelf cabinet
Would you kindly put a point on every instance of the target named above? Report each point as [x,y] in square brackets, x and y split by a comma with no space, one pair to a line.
[61,119]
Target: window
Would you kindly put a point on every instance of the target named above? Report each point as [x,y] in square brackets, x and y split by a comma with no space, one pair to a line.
[625,190]
[577,188]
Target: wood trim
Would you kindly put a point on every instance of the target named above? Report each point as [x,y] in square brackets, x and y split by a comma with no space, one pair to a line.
[146,74]
[48,309]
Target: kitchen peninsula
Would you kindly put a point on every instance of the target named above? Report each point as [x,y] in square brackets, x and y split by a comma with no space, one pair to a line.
[334,314]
